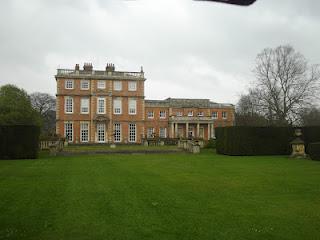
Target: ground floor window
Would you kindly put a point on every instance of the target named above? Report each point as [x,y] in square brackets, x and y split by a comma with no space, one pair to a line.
[163,132]
[101,132]
[117,132]
[201,132]
[132,132]
[84,132]
[150,132]
[68,131]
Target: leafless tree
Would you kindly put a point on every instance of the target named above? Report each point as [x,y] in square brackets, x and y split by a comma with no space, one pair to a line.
[285,83]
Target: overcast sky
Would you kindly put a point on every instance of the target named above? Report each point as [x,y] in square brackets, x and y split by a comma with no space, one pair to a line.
[187,49]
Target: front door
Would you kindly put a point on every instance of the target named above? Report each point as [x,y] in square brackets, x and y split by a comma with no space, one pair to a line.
[101,132]
[191,132]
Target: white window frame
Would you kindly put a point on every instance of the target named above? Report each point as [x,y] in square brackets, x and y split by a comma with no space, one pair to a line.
[67,105]
[190,113]
[224,115]
[101,84]
[99,107]
[84,131]
[98,132]
[132,86]
[117,106]
[132,106]
[179,114]
[82,107]
[150,114]
[163,134]
[214,115]
[68,130]
[117,85]
[162,116]
[117,132]
[200,114]
[68,84]
[84,82]
[132,132]
[150,132]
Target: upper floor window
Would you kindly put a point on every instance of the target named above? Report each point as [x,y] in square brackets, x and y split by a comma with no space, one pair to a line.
[117,109]
[85,84]
[224,115]
[190,113]
[68,84]
[68,105]
[117,85]
[200,114]
[101,105]
[132,86]
[84,105]
[179,114]
[132,106]
[162,114]
[150,114]
[214,115]
[101,84]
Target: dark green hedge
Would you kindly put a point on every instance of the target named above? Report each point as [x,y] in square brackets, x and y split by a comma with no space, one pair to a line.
[243,140]
[19,141]
[254,140]
[314,150]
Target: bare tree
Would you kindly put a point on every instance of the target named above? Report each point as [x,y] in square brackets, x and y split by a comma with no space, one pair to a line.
[310,116]
[45,104]
[285,84]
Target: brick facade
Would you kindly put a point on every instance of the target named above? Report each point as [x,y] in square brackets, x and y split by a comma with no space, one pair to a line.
[88,114]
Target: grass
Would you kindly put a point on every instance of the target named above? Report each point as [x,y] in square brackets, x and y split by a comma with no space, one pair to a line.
[172,196]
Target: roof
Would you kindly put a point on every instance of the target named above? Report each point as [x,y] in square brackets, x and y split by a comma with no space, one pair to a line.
[186,103]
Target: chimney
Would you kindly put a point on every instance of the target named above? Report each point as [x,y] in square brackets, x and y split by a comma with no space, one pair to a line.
[77,68]
[110,67]
[87,67]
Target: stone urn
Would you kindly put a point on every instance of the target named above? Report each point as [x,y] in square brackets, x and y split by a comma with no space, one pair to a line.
[298,148]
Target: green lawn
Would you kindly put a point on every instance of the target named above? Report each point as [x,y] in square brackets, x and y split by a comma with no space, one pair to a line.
[169,196]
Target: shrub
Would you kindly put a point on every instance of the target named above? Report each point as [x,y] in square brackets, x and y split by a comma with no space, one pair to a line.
[19,141]
[211,143]
[314,151]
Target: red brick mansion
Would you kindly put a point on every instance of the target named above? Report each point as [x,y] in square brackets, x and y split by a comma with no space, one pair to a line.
[109,106]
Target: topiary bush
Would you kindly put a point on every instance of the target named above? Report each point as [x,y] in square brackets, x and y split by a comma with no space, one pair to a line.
[211,143]
[314,150]
[19,141]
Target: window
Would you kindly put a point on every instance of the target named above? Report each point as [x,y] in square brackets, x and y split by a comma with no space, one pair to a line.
[150,115]
[84,85]
[117,106]
[101,132]
[68,84]
[150,132]
[214,115]
[200,114]
[224,115]
[68,131]
[68,105]
[132,86]
[117,85]
[132,132]
[179,114]
[84,105]
[190,113]
[101,105]
[162,114]
[101,84]
[84,131]
[117,132]
[132,106]
[163,132]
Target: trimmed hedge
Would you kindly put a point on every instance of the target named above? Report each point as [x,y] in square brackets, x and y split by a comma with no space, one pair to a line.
[314,150]
[241,140]
[19,141]
[254,140]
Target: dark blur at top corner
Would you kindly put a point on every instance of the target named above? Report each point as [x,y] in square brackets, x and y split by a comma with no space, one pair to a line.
[235,2]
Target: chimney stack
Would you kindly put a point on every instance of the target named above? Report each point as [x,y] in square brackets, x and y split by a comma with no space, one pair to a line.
[77,68]
[110,67]
[87,67]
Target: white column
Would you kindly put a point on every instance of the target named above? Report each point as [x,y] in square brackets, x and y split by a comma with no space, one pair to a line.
[212,131]
[176,130]
[209,126]
[198,130]
[187,130]
[172,130]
